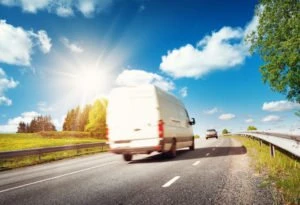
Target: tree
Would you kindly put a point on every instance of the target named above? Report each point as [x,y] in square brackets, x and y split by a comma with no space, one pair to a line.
[225,131]
[97,117]
[22,127]
[37,124]
[277,42]
[67,122]
[250,127]
[84,117]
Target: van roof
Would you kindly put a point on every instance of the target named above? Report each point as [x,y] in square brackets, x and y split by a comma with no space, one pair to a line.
[150,87]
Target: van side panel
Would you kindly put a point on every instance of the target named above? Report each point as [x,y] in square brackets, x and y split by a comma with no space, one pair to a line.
[176,121]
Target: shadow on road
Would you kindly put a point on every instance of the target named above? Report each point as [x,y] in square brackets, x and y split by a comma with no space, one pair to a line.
[196,154]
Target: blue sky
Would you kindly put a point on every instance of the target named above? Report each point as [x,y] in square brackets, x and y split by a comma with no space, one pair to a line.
[55,55]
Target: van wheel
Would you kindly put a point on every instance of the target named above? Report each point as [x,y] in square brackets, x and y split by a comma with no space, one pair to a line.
[193,146]
[127,157]
[172,152]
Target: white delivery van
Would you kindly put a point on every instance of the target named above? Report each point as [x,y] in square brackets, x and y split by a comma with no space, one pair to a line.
[144,119]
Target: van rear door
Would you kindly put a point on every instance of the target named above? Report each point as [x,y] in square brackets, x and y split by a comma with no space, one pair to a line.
[132,116]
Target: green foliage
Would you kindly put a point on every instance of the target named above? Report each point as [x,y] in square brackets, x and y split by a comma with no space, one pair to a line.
[72,120]
[92,118]
[250,127]
[283,170]
[37,124]
[84,117]
[225,131]
[97,117]
[277,41]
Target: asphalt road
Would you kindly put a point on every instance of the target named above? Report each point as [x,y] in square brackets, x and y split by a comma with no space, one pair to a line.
[217,172]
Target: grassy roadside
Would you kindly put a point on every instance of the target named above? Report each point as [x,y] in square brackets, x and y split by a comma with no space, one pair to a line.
[10,142]
[283,171]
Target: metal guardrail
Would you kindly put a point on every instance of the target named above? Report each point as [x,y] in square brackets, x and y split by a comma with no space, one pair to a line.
[40,151]
[287,142]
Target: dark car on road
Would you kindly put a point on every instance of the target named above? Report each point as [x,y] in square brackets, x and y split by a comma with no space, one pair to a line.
[211,133]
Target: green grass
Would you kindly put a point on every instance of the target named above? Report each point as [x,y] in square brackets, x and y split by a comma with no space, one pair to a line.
[283,171]
[10,142]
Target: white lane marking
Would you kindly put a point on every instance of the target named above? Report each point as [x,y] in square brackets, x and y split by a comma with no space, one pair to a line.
[171,182]
[196,163]
[56,177]
[207,154]
[213,149]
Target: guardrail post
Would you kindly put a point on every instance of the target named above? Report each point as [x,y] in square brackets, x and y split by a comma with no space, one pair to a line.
[272,150]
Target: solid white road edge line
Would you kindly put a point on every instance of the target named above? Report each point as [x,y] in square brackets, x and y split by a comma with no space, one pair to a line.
[171,182]
[56,177]
[196,163]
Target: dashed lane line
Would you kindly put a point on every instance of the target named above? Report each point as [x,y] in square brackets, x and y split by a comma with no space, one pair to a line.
[196,163]
[207,154]
[169,183]
[56,177]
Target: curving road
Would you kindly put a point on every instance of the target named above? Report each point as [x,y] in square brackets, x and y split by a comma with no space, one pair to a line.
[217,172]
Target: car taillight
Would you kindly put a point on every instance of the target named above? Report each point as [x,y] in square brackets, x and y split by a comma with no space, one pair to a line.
[161,129]
[106,132]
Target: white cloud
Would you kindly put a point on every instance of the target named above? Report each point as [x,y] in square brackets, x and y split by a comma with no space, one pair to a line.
[278,106]
[64,11]
[16,44]
[183,92]
[211,111]
[43,40]
[63,8]
[89,7]
[221,50]
[249,120]
[140,77]
[12,124]
[5,101]
[71,46]
[44,107]
[271,118]
[5,84]
[31,6]
[227,116]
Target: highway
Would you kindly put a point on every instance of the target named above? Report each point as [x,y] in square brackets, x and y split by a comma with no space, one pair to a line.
[217,172]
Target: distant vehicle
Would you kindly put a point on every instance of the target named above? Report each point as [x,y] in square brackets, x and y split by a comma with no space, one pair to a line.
[211,133]
[144,119]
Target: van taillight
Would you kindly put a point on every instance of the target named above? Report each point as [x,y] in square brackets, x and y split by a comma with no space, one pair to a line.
[106,132]
[161,129]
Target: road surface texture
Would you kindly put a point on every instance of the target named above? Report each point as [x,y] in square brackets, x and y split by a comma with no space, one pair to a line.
[217,172]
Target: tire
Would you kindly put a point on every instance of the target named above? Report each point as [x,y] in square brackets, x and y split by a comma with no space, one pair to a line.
[172,152]
[192,148]
[127,157]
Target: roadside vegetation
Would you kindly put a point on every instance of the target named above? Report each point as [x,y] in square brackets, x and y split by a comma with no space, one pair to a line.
[281,171]
[11,142]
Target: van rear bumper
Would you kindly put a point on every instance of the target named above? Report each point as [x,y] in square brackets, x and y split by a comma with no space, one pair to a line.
[139,150]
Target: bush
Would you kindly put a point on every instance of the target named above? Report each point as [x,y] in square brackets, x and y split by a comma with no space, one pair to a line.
[65,134]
